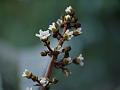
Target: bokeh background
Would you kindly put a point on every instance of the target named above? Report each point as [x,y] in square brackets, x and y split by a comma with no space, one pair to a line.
[99,43]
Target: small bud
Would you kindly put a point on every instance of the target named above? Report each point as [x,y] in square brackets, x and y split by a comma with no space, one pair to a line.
[53,28]
[59,22]
[77,31]
[43,53]
[44,81]
[66,61]
[27,74]
[68,35]
[69,10]
[67,17]
[79,60]
[76,61]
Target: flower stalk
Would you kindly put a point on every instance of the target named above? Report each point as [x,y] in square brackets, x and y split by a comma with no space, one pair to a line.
[60,57]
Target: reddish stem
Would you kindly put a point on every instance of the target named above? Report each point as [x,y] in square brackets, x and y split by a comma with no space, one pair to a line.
[51,65]
[50,69]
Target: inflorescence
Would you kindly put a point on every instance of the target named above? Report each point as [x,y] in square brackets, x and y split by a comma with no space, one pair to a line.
[64,29]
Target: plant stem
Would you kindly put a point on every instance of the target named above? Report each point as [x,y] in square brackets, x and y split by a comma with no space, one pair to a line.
[49,69]
[51,65]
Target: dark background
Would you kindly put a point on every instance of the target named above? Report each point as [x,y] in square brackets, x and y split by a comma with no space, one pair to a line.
[99,43]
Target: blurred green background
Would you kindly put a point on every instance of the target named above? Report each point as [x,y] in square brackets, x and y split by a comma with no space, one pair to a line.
[99,43]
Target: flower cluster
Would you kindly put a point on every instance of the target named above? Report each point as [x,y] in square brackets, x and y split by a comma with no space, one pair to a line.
[64,29]
[43,81]
[67,22]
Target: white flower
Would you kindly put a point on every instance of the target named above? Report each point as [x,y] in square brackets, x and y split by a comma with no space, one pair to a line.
[29,88]
[58,48]
[69,59]
[53,27]
[81,58]
[44,81]
[68,34]
[26,73]
[59,22]
[67,17]
[78,30]
[68,9]
[43,34]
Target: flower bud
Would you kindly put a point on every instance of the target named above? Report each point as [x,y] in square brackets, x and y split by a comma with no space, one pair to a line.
[67,17]
[27,74]
[77,31]
[43,53]
[79,60]
[68,35]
